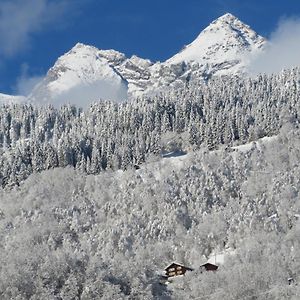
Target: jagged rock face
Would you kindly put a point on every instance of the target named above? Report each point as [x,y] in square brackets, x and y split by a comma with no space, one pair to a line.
[86,73]
[135,70]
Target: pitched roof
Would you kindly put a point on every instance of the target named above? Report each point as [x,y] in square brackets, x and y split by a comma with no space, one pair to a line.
[208,264]
[174,264]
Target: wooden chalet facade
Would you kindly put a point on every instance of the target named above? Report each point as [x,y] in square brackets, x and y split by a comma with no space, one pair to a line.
[175,269]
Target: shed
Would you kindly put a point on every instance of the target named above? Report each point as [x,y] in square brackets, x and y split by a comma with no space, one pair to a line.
[209,267]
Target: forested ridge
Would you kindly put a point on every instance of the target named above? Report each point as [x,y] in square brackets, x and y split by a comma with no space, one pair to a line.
[77,221]
[118,135]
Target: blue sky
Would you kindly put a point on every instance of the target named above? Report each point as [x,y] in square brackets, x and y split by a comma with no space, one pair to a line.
[35,32]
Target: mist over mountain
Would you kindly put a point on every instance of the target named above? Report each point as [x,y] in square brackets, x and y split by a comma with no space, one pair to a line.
[8,99]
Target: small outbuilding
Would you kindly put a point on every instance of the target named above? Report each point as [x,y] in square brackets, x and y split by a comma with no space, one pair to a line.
[175,269]
[209,267]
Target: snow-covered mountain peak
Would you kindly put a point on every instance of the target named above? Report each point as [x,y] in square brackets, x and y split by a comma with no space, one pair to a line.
[82,64]
[81,45]
[224,45]
[79,50]
[86,73]
[82,72]
[228,17]
[233,24]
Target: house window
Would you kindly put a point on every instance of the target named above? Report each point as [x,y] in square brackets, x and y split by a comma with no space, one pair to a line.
[179,268]
[179,272]
[171,269]
[172,274]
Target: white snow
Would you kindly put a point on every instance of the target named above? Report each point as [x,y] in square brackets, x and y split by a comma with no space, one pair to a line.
[249,146]
[9,99]
[162,167]
[217,259]
[244,148]
[220,258]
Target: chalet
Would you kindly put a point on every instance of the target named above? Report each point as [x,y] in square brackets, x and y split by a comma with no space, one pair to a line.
[209,267]
[175,269]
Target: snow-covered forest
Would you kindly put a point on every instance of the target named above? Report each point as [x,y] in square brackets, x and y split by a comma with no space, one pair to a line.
[77,221]
[68,235]
[112,136]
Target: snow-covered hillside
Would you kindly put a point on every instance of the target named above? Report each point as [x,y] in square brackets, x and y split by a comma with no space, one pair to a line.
[110,236]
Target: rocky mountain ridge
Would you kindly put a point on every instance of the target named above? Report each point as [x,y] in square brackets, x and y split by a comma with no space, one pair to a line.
[86,74]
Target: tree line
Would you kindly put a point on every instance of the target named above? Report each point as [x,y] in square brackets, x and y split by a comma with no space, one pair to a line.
[222,111]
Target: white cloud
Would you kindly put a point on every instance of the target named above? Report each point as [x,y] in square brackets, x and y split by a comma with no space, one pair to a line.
[20,19]
[25,82]
[283,49]
[83,95]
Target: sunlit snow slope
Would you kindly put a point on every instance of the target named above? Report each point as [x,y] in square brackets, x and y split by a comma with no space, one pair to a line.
[226,45]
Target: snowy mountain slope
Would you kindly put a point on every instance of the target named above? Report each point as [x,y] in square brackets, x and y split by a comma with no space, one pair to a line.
[80,73]
[8,99]
[257,144]
[162,167]
[86,74]
[224,45]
